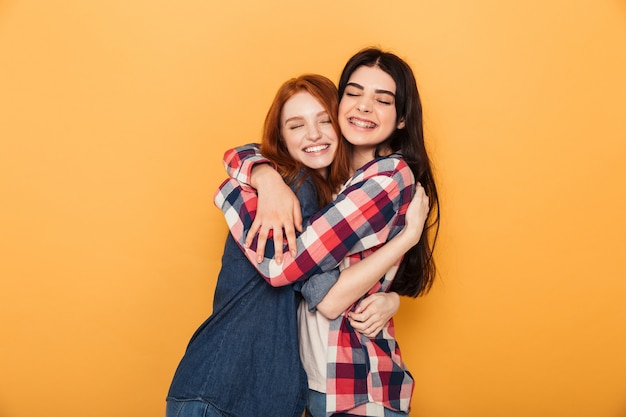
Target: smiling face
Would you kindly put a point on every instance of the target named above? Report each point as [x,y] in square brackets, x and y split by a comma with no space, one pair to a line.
[367,111]
[308,133]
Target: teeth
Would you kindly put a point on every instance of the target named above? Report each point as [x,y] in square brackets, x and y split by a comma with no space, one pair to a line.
[316,148]
[363,123]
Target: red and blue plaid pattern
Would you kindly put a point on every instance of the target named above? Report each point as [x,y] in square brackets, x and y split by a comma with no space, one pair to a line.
[368,211]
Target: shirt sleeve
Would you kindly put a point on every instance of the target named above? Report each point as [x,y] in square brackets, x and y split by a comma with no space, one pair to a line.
[316,287]
[239,161]
[360,218]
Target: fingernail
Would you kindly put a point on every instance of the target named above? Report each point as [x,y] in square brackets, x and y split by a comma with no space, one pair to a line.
[294,252]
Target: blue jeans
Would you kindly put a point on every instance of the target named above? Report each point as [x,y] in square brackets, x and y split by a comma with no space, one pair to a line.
[316,406]
[191,408]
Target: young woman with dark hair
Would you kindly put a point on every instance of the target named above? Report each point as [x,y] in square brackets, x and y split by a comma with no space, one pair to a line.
[417,270]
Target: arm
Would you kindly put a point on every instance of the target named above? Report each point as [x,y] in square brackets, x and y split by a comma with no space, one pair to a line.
[356,280]
[362,217]
[371,313]
[374,311]
[239,162]
[278,211]
[278,208]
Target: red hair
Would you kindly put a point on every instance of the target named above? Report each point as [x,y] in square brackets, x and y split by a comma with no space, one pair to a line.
[273,146]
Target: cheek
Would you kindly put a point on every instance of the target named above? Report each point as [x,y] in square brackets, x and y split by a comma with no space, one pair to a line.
[332,155]
[343,119]
[390,119]
[295,155]
[292,144]
[343,107]
[330,133]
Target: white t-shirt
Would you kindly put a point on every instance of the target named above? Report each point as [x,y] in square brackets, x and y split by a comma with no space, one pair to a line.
[313,330]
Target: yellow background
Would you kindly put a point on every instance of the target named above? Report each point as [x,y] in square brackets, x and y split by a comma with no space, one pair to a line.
[113,119]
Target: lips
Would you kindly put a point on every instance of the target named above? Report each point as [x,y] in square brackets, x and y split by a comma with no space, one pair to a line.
[366,124]
[318,148]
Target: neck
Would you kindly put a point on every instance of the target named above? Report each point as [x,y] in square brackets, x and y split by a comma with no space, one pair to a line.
[361,155]
[323,172]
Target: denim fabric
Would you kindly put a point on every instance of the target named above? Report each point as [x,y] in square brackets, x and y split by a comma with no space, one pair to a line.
[244,358]
[316,406]
[191,408]
[316,287]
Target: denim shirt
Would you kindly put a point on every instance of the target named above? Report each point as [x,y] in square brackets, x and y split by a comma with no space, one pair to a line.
[244,359]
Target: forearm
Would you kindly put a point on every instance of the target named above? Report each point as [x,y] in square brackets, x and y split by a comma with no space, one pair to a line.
[315,288]
[358,279]
[239,205]
[354,279]
[263,176]
[360,218]
[239,162]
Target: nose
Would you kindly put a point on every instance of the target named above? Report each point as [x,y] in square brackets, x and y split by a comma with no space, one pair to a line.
[314,132]
[364,105]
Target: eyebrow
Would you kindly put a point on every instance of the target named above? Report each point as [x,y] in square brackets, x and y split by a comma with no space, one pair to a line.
[322,113]
[360,87]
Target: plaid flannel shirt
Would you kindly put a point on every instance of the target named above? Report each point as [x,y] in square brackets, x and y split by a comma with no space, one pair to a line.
[368,211]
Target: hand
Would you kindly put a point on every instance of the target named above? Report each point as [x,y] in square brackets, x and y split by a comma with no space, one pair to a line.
[278,211]
[373,313]
[416,214]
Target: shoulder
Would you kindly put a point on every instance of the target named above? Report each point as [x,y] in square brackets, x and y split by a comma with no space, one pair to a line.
[392,166]
[306,193]
[303,186]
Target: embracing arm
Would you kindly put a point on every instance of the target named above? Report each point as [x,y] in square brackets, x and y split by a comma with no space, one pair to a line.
[359,278]
[278,212]
[240,161]
[371,314]
[361,217]
[278,209]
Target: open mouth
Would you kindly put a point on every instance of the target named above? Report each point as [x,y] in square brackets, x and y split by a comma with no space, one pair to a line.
[318,148]
[362,123]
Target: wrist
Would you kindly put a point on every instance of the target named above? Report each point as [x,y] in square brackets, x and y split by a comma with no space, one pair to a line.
[409,238]
[263,174]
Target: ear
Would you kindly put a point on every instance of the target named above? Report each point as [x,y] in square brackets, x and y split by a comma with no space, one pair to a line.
[400,124]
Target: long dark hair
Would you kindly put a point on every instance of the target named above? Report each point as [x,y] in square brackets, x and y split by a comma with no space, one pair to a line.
[417,270]
[273,146]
